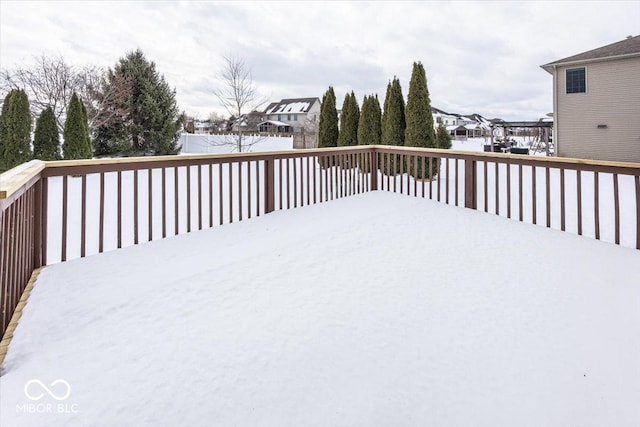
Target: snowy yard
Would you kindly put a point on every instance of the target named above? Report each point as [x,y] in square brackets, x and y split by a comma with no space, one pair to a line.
[376,309]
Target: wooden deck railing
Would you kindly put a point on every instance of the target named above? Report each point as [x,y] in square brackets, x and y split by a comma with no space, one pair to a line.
[57,211]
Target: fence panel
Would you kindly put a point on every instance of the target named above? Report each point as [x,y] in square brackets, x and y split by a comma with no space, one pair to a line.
[21,234]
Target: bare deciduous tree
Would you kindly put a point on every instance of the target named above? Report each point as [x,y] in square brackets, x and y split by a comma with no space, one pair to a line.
[50,82]
[104,94]
[239,96]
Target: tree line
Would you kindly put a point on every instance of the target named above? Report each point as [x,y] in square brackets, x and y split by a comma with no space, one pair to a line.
[127,110]
[397,124]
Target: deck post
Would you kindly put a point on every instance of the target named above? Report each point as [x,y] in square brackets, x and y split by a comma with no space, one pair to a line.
[269,186]
[37,225]
[470,184]
[374,170]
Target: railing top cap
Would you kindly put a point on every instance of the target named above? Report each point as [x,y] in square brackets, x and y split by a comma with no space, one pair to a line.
[16,178]
[235,156]
[479,155]
[13,179]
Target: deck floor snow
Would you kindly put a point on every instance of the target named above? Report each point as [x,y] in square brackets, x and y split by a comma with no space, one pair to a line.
[377,309]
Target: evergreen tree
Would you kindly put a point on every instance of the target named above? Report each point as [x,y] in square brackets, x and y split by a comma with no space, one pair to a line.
[76,134]
[420,130]
[46,142]
[153,121]
[355,119]
[328,126]
[393,124]
[364,125]
[3,132]
[344,118]
[443,139]
[369,125]
[387,99]
[15,130]
[85,120]
[377,121]
[349,118]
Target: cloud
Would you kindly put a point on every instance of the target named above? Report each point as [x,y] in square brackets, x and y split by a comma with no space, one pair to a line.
[479,56]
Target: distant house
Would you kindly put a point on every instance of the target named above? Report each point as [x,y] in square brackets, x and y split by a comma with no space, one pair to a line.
[298,113]
[443,117]
[596,102]
[204,126]
[248,122]
[461,127]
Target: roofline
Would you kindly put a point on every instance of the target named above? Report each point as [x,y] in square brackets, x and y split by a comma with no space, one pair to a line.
[550,66]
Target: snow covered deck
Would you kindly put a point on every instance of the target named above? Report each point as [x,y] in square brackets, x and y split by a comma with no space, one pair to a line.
[376,309]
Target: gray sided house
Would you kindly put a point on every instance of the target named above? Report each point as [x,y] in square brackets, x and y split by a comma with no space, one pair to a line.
[596,103]
[301,114]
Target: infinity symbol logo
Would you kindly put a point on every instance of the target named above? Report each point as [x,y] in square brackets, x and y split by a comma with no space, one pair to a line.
[45,388]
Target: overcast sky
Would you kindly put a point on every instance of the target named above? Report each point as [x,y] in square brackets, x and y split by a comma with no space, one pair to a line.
[479,57]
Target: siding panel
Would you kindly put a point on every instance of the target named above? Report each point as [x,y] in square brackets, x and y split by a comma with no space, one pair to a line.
[612,99]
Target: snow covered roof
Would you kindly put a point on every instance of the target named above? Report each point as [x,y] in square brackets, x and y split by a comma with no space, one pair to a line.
[293,105]
[274,122]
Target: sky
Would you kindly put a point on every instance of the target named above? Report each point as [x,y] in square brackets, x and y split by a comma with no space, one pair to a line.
[480,57]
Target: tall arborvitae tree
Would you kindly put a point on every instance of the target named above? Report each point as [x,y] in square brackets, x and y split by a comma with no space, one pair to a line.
[46,142]
[3,130]
[16,130]
[443,139]
[420,130]
[355,118]
[152,121]
[344,121]
[393,125]
[76,134]
[328,126]
[364,125]
[349,125]
[85,119]
[387,99]
[369,127]
[377,120]
[349,121]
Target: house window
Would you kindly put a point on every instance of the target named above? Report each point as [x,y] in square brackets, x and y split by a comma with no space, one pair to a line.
[295,117]
[576,82]
[279,118]
[288,117]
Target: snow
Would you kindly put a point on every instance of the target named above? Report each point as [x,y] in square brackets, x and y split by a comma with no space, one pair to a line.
[276,123]
[289,107]
[376,309]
